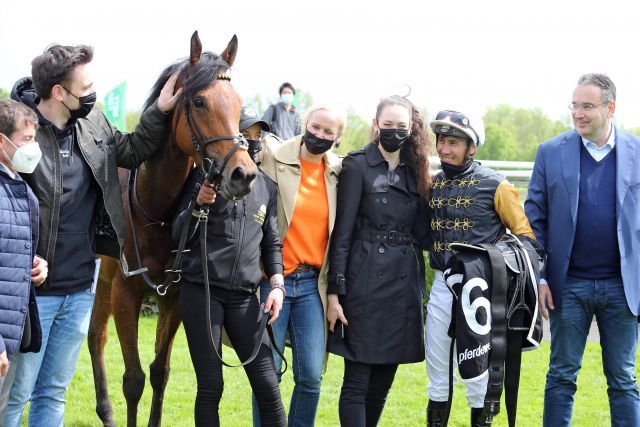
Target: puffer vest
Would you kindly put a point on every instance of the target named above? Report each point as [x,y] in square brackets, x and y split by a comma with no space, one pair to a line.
[463,211]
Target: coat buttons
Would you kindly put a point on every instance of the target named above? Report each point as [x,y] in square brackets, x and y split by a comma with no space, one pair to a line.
[384,200]
[27,277]
[380,250]
[404,251]
[379,275]
[281,168]
[403,276]
[27,245]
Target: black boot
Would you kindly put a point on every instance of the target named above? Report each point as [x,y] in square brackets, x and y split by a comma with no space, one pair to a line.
[437,414]
[478,418]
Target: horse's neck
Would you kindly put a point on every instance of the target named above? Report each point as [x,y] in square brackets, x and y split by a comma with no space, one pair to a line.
[161,179]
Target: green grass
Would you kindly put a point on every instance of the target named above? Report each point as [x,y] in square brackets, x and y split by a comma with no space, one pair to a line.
[405,406]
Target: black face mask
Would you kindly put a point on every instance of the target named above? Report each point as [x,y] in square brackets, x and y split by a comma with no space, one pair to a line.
[453,170]
[316,145]
[254,148]
[86,105]
[392,139]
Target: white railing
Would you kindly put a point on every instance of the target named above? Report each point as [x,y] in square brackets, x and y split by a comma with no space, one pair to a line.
[517,172]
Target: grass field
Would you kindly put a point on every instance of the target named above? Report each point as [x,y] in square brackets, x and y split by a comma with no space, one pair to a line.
[405,406]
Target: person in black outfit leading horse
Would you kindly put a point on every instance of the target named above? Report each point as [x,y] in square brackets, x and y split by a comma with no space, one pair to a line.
[241,233]
[376,272]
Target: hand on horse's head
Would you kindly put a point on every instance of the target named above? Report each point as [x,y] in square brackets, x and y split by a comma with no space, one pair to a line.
[168,99]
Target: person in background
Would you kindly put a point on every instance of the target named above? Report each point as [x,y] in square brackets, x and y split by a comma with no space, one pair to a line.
[282,117]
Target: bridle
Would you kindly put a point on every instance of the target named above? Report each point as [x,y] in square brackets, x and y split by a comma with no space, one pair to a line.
[213,173]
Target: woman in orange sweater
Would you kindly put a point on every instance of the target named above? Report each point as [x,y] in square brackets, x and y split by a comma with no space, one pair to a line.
[306,171]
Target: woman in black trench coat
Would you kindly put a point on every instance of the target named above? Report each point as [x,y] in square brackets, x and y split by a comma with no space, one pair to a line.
[376,278]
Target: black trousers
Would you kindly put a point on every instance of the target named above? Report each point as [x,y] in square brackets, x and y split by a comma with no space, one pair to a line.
[238,312]
[364,393]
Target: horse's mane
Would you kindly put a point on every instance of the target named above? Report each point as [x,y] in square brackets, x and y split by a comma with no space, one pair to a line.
[205,71]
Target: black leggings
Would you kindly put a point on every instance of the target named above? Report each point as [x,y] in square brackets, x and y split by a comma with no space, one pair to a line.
[364,393]
[238,312]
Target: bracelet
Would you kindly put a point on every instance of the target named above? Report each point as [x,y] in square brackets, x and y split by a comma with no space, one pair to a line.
[279,286]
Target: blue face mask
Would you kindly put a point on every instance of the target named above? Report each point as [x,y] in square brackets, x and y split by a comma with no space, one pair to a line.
[286,98]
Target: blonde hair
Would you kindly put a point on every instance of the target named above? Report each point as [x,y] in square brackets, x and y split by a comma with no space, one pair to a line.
[339,113]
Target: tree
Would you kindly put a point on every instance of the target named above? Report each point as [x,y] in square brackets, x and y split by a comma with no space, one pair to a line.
[500,144]
[4,93]
[133,117]
[356,135]
[529,126]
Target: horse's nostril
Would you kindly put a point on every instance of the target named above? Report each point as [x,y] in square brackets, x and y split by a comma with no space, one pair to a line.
[240,174]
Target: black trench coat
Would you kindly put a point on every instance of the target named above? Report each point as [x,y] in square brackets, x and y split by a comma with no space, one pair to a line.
[376,264]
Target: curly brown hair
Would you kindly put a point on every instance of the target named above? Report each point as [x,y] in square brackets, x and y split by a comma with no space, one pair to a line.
[415,150]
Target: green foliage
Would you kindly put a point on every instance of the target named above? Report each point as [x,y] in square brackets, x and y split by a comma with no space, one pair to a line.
[522,129]
[356,135]
[635,131]
[4,93]
[133,117]
[257,102]
[501,144]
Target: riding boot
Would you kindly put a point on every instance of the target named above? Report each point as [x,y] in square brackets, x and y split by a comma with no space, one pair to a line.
[437,414]
[478,419]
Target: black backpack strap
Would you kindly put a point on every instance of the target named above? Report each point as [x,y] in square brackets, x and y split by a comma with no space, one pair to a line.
[498,352]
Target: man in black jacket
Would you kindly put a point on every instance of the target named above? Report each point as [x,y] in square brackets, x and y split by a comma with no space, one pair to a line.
[75,179]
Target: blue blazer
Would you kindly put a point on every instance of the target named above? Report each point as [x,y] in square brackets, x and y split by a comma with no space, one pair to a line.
[552,208]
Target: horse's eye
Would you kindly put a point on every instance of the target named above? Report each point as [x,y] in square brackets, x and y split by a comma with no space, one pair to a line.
[198,102]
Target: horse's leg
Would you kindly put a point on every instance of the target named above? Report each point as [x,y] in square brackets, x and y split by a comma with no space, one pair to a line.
[167,326]
[98,336]
[126,298]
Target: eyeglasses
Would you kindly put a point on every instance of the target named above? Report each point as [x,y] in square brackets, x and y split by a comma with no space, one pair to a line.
[457,118]
[584,107]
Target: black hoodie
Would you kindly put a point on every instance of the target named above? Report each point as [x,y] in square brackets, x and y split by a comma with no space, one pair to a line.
[74,264]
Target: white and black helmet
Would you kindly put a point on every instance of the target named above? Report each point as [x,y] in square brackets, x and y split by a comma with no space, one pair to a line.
[451,122]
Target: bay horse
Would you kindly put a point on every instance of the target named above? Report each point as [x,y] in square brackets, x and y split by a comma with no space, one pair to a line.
[203,127]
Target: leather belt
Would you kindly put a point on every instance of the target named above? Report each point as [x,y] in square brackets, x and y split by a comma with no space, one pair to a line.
[301,268]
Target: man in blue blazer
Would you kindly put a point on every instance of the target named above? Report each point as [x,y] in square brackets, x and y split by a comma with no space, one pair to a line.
[584,207]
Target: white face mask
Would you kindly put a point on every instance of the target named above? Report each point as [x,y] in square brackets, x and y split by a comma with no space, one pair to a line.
[26,158]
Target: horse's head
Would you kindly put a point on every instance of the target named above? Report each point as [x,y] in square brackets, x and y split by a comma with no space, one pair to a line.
[205,124]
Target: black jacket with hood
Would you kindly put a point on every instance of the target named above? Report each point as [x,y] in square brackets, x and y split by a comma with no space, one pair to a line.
[104,149]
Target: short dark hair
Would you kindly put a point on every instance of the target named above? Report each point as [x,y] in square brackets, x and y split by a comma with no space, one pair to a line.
[286,85]
[14,114]
[607,88]
[55,66]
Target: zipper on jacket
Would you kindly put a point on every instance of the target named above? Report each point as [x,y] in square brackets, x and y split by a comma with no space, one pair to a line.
[234,272]
[55,203]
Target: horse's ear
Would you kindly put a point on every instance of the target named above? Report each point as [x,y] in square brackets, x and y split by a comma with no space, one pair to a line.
[229,54]
[196,49]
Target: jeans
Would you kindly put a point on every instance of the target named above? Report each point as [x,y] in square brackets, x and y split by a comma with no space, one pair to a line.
[302,316]
[581,300]
[239,313]
[364,393]
[44,377]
